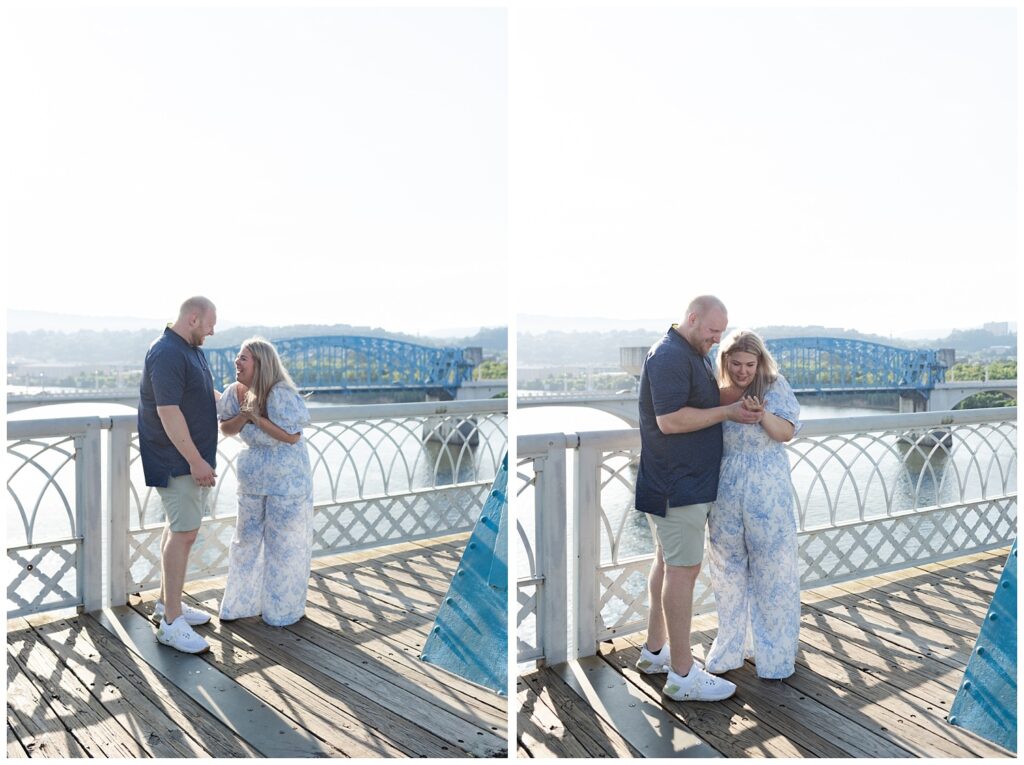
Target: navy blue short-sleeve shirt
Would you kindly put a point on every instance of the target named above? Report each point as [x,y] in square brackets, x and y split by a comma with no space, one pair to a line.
[175,373]
[676,469]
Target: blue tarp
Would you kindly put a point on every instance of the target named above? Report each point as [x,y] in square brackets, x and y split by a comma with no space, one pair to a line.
[470,634]
[987,700]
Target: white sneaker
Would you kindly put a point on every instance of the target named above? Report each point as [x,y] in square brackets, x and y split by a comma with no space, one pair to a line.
[193,616]
[654,663]
[179,635]
[698,685]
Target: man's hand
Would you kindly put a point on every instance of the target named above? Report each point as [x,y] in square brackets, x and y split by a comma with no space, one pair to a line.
[738,412]
[202,473]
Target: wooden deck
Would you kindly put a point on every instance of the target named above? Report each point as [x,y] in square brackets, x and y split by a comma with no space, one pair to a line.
[880,661]
[343,682]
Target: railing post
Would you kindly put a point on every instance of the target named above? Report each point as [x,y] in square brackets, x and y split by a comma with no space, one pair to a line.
[119,492]
[550,523]
[89,504]
[587,548]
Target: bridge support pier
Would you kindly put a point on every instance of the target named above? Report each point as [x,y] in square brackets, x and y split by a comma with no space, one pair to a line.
[912,401]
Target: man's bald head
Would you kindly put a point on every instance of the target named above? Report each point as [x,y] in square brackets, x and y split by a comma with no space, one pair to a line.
[196,319]
[197,305]
[706,320]
[701,304]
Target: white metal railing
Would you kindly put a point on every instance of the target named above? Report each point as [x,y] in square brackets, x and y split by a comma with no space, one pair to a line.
[871,494]
[382,474]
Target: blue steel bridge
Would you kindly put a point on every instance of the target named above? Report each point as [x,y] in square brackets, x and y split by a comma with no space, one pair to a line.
[342,364]
[821,364]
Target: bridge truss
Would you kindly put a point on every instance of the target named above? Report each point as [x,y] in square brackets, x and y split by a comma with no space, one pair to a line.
[826,363]
[351,363]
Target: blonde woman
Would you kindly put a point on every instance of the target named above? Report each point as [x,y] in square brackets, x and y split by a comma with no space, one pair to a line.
[752,525]
[268,567]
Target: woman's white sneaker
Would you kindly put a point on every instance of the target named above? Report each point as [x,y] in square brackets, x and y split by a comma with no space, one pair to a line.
[180,636]
[193,616]
[698,685]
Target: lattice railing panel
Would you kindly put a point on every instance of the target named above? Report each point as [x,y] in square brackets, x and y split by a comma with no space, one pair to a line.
[41,486]
[378,521]
[528,588]
[526,621]
[209,556]
[42,578]
[53,490]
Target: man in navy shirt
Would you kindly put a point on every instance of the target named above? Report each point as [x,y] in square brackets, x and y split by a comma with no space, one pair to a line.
[680,456]
[178,444]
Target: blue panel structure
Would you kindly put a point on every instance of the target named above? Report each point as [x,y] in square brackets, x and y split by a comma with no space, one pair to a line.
[987,700]
[824,363]
[470,634]
[351,363]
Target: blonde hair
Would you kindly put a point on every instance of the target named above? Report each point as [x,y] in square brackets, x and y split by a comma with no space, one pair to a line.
[268,371]
[745,341]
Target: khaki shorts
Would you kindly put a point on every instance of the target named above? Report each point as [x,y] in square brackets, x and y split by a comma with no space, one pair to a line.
[681,533]
[184,502]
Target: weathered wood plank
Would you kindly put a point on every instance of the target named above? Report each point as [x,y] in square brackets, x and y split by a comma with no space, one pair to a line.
[908,670]
[15,750]
[348,674]
[596,735]
[349,723]
[98,732]
[893,625]
[185,715]
[874,705]
[953,625]
[269,732]
[956,589]
[397,663]
[374,586]
[880,660]
[816,726]
[635,711]
[398,650]
[945,599]
[111,673]
[726,725]
[541,732]
[428,705]
[33,721]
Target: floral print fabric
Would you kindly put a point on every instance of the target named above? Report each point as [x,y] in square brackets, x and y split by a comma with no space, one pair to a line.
[753,547]
[269,560]
[269,466]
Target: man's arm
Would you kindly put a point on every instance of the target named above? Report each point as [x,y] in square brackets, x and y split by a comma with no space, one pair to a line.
[177,431]
[690,418]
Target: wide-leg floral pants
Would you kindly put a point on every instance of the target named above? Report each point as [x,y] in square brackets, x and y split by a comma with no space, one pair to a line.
[270,556]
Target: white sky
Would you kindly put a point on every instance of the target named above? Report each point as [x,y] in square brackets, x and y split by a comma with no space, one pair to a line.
[295,165]
[846,167]
[850,167]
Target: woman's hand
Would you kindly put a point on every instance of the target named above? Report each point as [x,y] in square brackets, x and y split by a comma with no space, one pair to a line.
[753,404]
[251,415]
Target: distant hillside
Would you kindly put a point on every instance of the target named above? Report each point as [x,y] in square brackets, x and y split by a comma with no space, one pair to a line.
[129,346]
[557,348]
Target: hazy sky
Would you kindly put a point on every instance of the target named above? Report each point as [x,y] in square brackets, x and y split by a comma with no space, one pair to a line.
[296,166]
[845,167]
